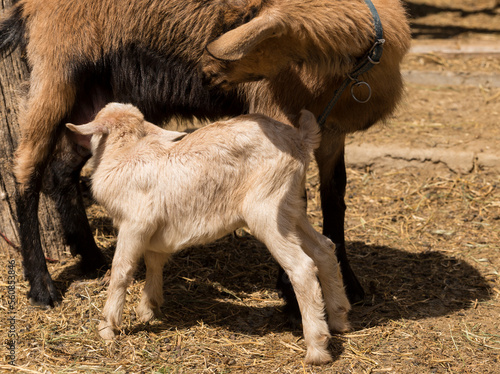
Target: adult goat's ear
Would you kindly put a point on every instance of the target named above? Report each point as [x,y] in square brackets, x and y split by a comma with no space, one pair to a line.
[236,43]
[90,128]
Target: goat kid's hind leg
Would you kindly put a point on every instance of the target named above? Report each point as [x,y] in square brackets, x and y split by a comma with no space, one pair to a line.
[320,249]
[283,284]
[291,308]
[128,252]
[152,294]
[331,164]
[302,273]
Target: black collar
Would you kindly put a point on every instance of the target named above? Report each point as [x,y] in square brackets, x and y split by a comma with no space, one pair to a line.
[369,60]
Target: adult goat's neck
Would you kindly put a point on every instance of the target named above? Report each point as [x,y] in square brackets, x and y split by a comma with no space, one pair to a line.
[369,60]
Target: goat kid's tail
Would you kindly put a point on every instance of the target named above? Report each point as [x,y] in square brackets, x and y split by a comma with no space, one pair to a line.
[309,130]
[12,30]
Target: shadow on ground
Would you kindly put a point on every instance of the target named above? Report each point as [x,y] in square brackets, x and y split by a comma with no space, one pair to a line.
[231,284]
[446,30]
[404,285]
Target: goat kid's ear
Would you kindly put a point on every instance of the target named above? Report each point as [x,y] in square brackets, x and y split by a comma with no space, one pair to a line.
[82,134]
[90,128]
[237,43]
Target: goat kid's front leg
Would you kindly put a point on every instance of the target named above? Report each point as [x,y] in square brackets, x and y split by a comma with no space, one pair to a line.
[152,294]
[129,249]
[331,164]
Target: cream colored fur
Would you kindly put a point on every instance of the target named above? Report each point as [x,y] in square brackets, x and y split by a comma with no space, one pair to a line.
[167,190]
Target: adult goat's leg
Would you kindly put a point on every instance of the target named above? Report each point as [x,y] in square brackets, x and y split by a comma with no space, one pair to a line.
[331,164]
[62,185]
[42,290]
[48,103]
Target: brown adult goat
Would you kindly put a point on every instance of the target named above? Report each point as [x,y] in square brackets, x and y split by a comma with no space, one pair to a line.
[268,56]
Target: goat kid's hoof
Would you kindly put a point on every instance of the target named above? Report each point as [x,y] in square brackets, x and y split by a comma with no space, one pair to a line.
[339,326]
[106,331]
[316,356]
[146,314]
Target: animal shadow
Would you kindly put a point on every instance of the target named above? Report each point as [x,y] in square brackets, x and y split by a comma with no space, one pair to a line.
[231,283]
[217,283]
[407,285]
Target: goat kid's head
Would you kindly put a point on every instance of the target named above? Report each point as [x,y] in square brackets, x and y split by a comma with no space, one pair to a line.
[116,121]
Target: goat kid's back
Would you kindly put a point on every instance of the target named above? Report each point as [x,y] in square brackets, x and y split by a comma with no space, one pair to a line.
[143,173]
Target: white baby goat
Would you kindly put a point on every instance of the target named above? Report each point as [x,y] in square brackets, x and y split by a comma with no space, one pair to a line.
[167,190]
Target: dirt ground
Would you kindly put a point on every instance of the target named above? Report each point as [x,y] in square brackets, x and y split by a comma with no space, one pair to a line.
[423,231]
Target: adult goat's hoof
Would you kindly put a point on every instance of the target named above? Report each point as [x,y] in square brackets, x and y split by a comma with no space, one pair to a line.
[43,293]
